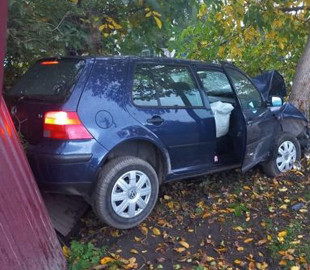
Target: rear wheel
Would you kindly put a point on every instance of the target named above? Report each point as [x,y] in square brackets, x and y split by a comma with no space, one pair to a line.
[286,153]
[126,192]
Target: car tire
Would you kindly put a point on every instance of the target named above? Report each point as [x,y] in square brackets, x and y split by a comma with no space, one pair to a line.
[286,152]
[126,192]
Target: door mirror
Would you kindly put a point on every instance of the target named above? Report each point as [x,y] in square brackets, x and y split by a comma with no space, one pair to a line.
[276,101]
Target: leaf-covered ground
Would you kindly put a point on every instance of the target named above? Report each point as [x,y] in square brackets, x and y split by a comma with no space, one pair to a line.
[220,221]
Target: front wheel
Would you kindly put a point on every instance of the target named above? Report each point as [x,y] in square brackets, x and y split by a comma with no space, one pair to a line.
[126,192]
[286,153]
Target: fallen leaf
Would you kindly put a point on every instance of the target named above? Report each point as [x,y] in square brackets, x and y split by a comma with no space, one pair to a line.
[184,244]
[166,197]
[180,249]
[66,251]
[295,267]
[261,242]
[106,260]
[144,230]
[282,234]
[156,231]
[248,240]
[134,251]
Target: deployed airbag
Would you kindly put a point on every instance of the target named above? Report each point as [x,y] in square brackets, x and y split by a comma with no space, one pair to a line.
[221,113]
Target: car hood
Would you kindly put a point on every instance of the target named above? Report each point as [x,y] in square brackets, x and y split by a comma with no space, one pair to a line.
[270,83]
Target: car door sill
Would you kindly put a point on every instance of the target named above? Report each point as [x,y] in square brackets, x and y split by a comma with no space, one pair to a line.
[214,169]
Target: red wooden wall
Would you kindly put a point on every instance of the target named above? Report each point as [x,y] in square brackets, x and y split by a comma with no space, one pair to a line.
[27,239]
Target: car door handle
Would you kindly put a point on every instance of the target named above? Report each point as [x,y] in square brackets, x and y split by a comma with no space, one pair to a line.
[155,120]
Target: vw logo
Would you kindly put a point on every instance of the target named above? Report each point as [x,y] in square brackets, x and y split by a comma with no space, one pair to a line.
[13,110]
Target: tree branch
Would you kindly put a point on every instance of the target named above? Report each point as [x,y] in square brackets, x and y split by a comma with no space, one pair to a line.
[294,8]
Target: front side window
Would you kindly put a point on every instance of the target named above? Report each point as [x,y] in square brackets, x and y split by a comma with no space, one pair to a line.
[165,86]
[215,83]
[248,95]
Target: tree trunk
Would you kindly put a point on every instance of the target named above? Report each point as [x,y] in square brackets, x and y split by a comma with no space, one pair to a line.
[301,84]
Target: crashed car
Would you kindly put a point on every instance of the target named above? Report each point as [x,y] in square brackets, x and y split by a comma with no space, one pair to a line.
[112,129]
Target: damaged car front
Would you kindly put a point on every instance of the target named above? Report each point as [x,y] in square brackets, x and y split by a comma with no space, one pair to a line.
[272,86]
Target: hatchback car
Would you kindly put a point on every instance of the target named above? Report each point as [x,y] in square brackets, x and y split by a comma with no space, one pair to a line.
[112,129]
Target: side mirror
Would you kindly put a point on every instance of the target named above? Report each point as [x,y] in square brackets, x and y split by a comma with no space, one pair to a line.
[276,102]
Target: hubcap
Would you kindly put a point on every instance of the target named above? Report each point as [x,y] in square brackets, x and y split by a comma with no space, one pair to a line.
[286,156]
[130,194]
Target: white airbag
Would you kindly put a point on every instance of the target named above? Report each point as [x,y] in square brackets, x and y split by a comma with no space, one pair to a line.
[221,113]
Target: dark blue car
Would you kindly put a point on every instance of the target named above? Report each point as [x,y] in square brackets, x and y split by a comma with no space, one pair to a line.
[112,129]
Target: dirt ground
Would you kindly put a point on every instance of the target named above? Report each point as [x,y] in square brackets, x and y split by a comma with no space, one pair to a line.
[220,221]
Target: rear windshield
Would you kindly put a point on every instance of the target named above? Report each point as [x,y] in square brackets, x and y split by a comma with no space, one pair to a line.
[49,80]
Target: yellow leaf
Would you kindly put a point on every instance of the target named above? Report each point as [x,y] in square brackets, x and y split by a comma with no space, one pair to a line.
[106,260]
[248,240]
[246,188]
[238,228]
[269,238]
[134,251]
[283,262]
[156,231]
[295,267]
[282,234]
[166,197]
[184,244]
[263,224]
[240,248]
[261,242]
[284,188]
[131,264]
[144,230]
[158,22]
[137,239]
[102,27]
[156,13]
[149,14]
[297,242]
[210,259]
[283,206]
[66,251]
[105,35]
[237,261]
[115,233]
[180,249]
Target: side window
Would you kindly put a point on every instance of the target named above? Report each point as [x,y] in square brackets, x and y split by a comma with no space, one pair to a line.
[166,86]
[248,95]
[144,93]
[215,83]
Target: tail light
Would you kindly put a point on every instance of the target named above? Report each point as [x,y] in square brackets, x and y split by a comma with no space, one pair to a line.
[64,126]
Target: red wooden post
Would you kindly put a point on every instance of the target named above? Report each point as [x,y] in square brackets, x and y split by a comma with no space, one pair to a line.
[27,238]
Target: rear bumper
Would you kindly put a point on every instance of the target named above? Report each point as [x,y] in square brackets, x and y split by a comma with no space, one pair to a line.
[68,167]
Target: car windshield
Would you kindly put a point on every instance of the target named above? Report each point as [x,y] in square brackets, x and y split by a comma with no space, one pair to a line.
[49,80]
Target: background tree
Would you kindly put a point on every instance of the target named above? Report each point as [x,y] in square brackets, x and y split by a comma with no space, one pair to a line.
[40,28]
[256,35]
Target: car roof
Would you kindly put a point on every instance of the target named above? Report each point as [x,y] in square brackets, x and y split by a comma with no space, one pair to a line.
[144,59]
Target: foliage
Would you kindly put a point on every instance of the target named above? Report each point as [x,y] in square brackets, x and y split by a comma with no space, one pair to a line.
[256,35]
[83,256]
[41,28]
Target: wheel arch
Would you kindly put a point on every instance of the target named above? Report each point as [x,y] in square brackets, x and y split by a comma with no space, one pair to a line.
[145,149]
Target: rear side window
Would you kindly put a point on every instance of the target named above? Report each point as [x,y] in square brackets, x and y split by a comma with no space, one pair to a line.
[165,86]
[49,80]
